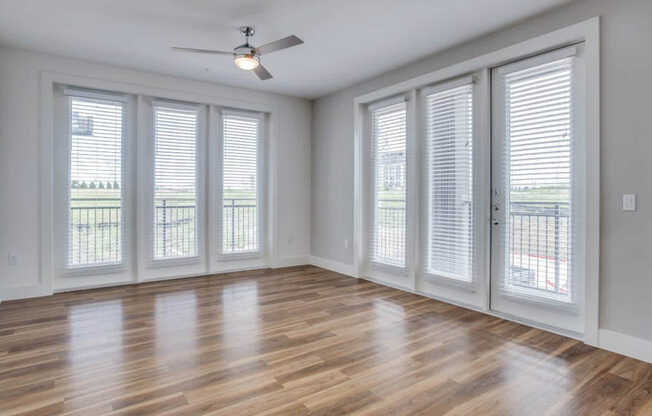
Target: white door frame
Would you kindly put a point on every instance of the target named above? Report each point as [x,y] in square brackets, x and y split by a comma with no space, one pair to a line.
[567,315]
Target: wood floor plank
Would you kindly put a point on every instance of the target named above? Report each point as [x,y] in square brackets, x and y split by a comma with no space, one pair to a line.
[295,341]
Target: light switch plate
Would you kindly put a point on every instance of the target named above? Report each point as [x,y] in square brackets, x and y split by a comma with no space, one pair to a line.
[629,202]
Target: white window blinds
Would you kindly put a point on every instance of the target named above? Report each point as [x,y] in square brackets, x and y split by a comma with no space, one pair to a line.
[449,143]
[538,164]
[175,181]
[389,185]
[240,216]
[95,217]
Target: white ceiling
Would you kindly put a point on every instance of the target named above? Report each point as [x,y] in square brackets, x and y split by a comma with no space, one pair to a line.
[346,41]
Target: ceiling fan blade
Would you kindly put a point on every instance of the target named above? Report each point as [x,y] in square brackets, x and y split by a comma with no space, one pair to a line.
[279,44]
[262,73]
[209,51]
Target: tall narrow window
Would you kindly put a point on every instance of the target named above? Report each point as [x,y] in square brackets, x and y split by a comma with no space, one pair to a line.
[95,217]
[389,184]
[537,165]
[175,182]
[240,191]
[449,142]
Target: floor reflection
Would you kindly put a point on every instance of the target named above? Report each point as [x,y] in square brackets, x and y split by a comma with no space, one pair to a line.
[240,320]
[175,323]
[95,331]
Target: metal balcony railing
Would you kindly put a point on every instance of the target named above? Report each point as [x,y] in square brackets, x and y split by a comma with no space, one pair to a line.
[240,222]
[538,242]
[175,233]
[539,246]
[96,232]
[538,251]
[390,230]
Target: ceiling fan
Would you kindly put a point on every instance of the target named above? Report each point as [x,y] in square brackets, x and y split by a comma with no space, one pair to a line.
[246,56]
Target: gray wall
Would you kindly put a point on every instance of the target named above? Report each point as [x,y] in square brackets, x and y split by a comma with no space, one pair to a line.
[626,151]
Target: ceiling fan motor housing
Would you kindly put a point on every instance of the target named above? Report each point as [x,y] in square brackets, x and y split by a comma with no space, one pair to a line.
[247,31]
[245,49]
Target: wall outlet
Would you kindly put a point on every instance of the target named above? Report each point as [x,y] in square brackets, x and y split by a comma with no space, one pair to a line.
[629,202]
[11,259]
[346,243]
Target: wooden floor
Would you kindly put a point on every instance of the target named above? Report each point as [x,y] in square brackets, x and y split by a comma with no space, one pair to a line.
[297,341]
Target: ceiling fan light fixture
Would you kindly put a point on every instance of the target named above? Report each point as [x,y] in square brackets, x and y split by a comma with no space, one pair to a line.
[246,56]
[247,62]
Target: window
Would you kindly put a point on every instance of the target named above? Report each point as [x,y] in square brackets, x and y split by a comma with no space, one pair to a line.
[240,226]
[175,181]
[95,216]
[389,187]
[449,144]
[538,162]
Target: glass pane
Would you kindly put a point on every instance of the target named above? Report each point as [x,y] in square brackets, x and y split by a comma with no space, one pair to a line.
[539,151]
[240,189]
[390,174]
[95,218]
[175,183]
[450,146]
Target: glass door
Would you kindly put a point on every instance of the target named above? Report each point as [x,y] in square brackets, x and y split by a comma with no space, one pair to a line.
[537,243]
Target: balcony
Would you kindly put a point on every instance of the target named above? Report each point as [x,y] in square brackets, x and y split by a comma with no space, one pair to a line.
[240,221]
[538,246]
[96,232]
[390,231]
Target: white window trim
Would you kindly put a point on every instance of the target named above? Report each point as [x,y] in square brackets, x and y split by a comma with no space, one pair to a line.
[67,277]
[587,32]
[260,187]
[48,283]
[122,266]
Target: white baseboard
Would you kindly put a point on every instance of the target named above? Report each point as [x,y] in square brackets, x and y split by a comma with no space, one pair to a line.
[291,261]
[624,344]
[334,266]
[24,292]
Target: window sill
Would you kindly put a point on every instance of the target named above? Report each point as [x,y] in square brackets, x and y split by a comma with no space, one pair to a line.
[451,282]
[245,255]
[387,268]
[82,271]
[530,297]
[177,261]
